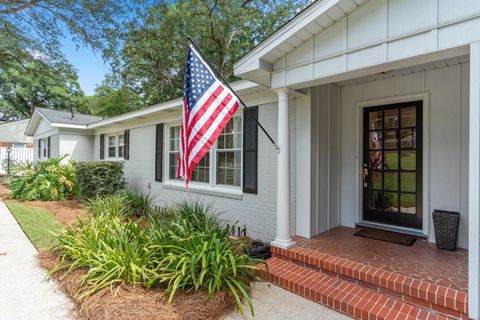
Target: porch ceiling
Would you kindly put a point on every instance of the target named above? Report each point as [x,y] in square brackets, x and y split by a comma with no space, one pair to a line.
[407,70]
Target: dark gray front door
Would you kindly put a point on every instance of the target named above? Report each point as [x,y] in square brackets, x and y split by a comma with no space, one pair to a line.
[392,164]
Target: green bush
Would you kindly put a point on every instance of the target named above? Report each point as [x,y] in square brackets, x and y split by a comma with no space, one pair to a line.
[186,249]
[115,206]
[49,180]
[100,178]
[139,203]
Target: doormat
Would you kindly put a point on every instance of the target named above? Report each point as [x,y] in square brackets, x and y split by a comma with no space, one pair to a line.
[387,236]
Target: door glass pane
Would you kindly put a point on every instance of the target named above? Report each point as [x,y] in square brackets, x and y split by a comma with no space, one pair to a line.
[375,160]
[408,138]
[408,117]
[391,119]
[375,120]
[408,181]
[408,203]
[408,160]
[390,201]
[375,140]
[375,200]
[391,139]
[391,160]
[391,181]
[376,180]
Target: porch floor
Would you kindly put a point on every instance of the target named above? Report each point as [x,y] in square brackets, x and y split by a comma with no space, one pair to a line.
[422,260]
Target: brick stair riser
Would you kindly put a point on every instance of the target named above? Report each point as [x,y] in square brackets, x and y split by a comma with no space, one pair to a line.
[345,297]
[421,293]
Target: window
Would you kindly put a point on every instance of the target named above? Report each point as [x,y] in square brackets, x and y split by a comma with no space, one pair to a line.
[121,145]
[201,173]
[112,146]
[222,165]
[229,153]
[43,148]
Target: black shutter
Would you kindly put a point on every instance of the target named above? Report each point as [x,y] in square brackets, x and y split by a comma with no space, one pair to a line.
[102,146]
[48,148]
[250,150]
[126,144]
[39,148]
[159,152]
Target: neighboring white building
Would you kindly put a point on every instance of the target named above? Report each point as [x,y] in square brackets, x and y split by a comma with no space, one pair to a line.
[61,133]
[378,108]
[12,134]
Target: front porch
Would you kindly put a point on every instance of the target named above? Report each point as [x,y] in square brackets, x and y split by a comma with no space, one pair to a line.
[372,279]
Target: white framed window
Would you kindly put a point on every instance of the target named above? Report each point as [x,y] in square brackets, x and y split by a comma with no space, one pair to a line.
[112,146]
[121,145]
[221,166]
[44,148]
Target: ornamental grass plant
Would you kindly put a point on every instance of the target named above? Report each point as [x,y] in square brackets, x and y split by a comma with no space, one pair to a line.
[187,249]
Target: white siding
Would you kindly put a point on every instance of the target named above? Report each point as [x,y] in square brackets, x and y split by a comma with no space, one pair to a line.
[448,139]
[78,147]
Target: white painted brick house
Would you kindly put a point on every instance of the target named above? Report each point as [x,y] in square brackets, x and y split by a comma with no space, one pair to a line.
[350,85]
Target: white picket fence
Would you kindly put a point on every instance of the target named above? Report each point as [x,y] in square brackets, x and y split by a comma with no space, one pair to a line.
[16,154]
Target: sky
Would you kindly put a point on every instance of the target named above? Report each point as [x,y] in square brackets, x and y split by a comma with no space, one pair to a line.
[90,66]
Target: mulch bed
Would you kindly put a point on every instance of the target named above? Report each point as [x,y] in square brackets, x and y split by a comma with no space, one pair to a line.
[126,302]
[66,212]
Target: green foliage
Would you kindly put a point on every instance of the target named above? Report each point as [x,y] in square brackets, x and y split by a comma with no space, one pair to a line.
[49,180]
[100,178]
[139,203]
[150,64]
[187,249]
[112,205]
[37,223]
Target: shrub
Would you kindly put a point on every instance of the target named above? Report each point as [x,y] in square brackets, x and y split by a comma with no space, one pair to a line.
[49,180]
[139,203]
[115,206]
[100,178]
[186,249]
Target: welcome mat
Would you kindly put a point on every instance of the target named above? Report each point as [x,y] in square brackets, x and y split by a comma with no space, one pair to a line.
[387,236]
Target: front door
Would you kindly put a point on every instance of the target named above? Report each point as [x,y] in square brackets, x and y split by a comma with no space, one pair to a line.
[392,164]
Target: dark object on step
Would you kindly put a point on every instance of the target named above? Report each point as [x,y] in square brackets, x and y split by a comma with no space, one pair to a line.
[446,229]
[387,236]
[259,250]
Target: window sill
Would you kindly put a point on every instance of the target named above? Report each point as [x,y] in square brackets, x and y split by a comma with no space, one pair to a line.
[215,191]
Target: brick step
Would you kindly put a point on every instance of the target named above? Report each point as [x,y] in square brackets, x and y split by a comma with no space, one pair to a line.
[346,297]
[428,295]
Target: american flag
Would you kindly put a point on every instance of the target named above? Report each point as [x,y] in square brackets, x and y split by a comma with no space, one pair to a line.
[207,107]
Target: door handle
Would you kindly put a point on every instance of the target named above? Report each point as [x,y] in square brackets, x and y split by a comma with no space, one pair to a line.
[365,175]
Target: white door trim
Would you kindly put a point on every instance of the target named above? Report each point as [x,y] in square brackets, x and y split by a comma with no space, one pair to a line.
[425,97]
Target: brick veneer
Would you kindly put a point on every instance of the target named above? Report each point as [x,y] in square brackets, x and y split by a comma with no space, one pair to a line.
[403,288]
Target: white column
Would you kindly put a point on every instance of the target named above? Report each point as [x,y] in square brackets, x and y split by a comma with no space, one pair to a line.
[283,239]
[474,185]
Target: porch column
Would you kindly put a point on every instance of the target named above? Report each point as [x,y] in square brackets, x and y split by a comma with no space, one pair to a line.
[282,238]
[474,185]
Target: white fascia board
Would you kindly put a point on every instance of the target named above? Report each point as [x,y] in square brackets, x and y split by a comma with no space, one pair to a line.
[33,123]
[69,125]
[309,14]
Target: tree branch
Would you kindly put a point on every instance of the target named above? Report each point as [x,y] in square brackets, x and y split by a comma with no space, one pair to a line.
[21,7]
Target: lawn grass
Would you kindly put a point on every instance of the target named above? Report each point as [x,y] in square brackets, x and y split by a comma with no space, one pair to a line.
[36,223]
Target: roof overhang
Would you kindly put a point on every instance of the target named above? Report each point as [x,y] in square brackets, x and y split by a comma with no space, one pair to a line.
[257,64]
[33,123]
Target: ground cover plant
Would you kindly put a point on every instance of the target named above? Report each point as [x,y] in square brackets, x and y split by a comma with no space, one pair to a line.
[185,250]
[50,180]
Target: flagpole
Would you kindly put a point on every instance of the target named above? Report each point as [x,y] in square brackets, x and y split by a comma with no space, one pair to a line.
[228,85]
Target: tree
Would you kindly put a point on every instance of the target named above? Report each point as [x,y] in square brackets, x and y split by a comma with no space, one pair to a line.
[41,82]
[151,61]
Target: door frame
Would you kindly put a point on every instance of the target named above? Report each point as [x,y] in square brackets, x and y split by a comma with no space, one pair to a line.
[425,98]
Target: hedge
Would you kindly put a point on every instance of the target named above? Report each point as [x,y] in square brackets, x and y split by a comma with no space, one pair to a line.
[100,178]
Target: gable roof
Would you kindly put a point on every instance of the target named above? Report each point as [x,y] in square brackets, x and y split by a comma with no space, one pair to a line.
[58,116]
[257,64]
[59,119]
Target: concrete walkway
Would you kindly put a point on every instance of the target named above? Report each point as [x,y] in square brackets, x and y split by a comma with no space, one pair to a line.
[24,291]
[274,303]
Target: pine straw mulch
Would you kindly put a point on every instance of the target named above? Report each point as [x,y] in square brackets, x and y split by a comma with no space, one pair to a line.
[66,212]
[125,302]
